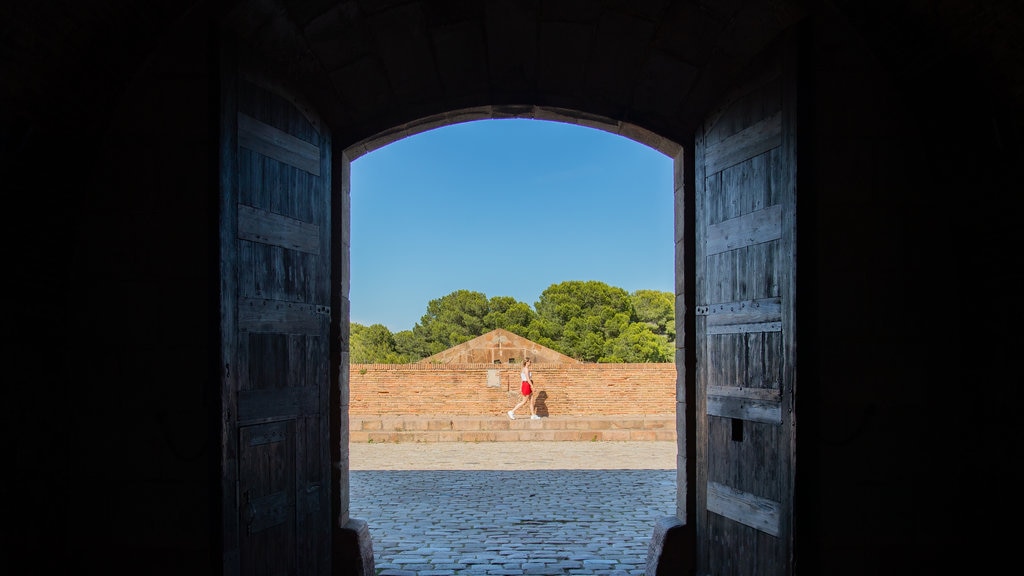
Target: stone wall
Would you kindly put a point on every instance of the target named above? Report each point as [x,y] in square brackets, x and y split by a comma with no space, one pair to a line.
[482,389]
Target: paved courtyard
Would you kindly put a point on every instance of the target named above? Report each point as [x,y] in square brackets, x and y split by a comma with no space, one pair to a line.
[511,508]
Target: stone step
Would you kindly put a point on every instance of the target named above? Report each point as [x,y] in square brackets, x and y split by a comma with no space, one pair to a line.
[442,428]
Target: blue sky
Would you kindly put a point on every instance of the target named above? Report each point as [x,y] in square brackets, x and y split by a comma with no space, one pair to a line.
[505,208]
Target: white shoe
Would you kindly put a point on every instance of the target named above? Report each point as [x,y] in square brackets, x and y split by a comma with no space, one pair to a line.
[511,416]
[534,417]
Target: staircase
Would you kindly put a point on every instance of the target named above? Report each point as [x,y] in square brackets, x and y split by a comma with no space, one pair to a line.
[441,428]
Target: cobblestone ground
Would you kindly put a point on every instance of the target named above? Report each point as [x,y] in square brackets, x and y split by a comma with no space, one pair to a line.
[498,509]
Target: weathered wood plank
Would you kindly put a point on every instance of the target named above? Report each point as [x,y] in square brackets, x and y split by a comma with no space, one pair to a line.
[753,228]
[275,273]
[746,103]
[745,188]
[746,393]
[745,360]
[788,258]
[746,196]
[268,228]
[227,158]
[743,312]
[276,187]
[701,444]
[756,139]
[283,247]
[753,404]
[278,144]
[297,103]
[269,434]
[751,328]
[271,510]
[276,403]
[758,315]
[747,509]
[266,493]
[260,315]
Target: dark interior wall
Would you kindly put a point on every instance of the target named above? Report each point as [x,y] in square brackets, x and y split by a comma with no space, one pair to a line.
[150,265]
[117,440]
[963,330]
[906,197]
[858,401]
[909,323]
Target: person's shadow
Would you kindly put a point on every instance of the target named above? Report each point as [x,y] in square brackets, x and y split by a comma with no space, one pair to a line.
[541,404]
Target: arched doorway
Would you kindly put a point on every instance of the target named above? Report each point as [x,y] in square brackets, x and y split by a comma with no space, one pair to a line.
[282,163]
[747,131]
[510,184]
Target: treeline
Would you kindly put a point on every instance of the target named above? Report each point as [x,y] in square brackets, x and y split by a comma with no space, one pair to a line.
[587,320]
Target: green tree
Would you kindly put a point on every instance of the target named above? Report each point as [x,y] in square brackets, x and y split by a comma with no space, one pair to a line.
[372,344]
[545,332]
[452,320]
[589,312]
[587,320]
[656,309]
[637,344]
[508,313]
[411,347]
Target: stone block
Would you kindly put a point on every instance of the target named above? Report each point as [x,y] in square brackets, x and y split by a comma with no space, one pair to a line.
[353,549]
[672,550]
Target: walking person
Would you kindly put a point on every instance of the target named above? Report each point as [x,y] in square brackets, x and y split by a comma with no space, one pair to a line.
[526,389]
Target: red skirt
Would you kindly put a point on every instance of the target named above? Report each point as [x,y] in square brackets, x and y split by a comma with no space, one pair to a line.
[526,389]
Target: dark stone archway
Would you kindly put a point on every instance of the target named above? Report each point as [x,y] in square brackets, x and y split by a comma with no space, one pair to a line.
[109,167]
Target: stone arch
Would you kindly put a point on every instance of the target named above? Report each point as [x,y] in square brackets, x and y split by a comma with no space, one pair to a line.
[889,70]
[629,130]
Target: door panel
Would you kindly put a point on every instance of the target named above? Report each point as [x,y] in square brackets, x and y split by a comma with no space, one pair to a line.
[275,233]
[267,493]
[745,338]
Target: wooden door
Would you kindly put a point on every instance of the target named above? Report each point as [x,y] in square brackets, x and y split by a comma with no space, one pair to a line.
[745,186]
[275,310]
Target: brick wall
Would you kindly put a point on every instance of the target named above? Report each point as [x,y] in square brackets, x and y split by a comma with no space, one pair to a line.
[488,389]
